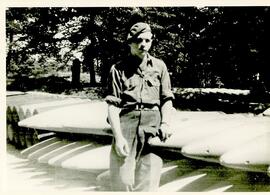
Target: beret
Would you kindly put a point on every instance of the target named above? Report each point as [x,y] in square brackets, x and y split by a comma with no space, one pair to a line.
[137,29]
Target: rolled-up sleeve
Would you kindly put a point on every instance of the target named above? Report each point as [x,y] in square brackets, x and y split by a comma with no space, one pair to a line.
[114,88]
[166,88]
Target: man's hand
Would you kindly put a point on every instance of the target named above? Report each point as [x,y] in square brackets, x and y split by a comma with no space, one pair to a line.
[164,132]
[121,147]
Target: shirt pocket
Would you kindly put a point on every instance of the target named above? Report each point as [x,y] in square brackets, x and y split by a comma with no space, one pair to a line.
[152,79]
[131,83]
[152,87]
[153,82]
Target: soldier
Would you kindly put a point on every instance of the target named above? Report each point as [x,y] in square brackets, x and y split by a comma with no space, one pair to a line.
[139,106]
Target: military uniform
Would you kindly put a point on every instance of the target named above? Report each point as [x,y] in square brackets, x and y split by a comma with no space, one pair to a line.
[139,89]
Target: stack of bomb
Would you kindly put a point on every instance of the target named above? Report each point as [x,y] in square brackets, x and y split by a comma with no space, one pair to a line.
[83,118]
[207,136]
[24,105]
[177,175]
[223,91]
[240,142]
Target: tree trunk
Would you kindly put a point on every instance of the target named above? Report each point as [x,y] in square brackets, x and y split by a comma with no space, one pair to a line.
[92,73]
[89,62]
[76,70]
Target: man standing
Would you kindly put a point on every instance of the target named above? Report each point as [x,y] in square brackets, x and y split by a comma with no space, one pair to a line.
[140,102]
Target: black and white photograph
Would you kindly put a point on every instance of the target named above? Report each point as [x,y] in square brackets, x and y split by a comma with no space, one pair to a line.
[137,99]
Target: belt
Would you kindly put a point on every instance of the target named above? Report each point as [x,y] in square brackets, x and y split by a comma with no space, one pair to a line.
[142,107]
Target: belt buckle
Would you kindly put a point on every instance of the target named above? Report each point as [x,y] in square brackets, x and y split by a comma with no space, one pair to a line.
[139,107]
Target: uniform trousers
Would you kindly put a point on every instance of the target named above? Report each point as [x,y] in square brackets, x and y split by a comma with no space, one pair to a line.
[140,171]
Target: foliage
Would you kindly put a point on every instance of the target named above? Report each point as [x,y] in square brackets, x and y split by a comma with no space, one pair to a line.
[202,47]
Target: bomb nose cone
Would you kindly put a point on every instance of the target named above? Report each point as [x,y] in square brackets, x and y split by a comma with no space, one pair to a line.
[252,155]
[213,147]
[229,159]
[199,151]
[195,149]
[238,157]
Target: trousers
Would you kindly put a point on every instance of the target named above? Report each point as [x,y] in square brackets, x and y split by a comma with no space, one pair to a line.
[140,171]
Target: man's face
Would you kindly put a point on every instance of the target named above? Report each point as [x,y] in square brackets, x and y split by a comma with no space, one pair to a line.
[141,45]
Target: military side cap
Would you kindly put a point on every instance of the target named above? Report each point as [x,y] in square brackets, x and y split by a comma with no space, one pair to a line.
[138,29]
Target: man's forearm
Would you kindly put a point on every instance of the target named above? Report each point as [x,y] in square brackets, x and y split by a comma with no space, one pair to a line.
[113,115]
[166,111]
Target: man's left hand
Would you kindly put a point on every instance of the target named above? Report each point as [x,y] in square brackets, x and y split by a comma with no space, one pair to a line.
[164,132]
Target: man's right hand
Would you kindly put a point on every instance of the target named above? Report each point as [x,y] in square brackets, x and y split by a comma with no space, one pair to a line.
[121,146]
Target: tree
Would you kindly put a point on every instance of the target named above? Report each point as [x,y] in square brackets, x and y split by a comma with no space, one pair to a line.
[202,47]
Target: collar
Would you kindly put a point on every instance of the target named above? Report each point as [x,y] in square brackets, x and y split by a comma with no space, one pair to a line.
[130,66]
[147,61]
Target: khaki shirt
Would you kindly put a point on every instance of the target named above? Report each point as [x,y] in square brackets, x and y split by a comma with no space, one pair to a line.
[147,83]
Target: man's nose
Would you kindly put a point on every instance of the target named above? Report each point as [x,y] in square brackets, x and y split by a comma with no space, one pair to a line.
[142,44]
